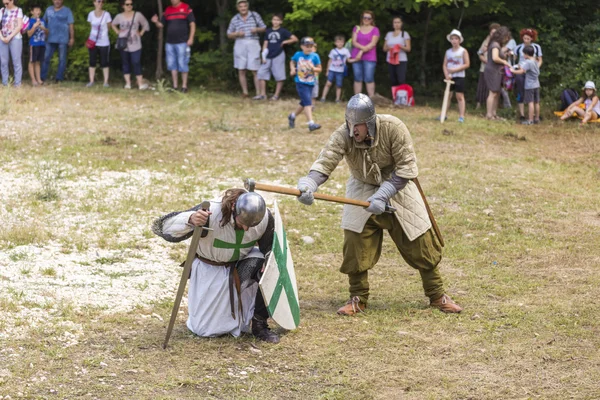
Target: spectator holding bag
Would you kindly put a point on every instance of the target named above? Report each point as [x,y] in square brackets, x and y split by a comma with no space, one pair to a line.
[98,43]
[130,26]
[11,41]
[397,44]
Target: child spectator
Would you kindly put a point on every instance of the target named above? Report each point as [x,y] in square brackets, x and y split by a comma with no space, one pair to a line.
[36,29]
[530,67]
[336,67]
[305,65]
[273,57]
[590,100]
[456,61]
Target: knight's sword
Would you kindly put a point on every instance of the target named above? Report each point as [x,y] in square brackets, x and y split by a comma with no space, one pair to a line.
[187,267]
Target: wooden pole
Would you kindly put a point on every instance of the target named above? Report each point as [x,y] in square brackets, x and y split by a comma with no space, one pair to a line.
[446,99]
[433,223]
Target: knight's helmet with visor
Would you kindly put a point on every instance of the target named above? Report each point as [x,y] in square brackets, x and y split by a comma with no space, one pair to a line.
[360,110]
[250,209]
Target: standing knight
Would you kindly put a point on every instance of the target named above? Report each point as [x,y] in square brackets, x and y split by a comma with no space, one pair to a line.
[379,152]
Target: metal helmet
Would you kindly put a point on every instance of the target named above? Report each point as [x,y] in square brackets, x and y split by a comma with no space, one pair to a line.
[250,209]
[360,109]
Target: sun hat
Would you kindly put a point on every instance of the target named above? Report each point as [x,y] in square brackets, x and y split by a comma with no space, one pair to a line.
[455,32]
[241,1]
[589,85]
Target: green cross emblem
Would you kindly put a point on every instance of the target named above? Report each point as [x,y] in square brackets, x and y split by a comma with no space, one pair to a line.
[239,235]
[284,282]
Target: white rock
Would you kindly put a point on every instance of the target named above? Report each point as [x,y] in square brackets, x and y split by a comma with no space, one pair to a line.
[308,239]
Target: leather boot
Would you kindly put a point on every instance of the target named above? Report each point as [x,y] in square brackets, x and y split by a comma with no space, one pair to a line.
[260,329]
[353,306]
[445,304]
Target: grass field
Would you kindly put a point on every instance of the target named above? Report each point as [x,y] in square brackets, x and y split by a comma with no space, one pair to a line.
[86,290]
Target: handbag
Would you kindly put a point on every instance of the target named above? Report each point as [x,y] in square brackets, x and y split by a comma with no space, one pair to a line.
[122,41]
[91,44]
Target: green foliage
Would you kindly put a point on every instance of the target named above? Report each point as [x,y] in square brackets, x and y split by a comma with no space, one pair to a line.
[568,35]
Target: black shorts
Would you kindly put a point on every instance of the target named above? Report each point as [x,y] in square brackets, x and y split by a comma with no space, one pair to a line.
[531,96]
[104,52]
[459,85]
[36,53]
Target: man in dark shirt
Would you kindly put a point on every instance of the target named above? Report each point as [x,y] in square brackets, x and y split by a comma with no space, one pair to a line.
[181,28]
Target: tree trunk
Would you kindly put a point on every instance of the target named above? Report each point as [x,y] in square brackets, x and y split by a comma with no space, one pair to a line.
[222,12]
[159,53]
[423,78]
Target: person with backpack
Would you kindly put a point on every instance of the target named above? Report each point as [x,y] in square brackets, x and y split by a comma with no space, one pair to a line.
[98,42]
[11,41]
[397,45]
[589,98]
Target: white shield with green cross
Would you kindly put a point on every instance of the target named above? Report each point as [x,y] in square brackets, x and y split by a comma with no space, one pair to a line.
[278,283]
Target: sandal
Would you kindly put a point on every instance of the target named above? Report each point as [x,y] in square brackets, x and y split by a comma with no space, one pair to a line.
[274,98]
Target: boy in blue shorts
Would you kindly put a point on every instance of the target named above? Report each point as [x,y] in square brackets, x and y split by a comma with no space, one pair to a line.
[304,65]
[36,29]
[336,67]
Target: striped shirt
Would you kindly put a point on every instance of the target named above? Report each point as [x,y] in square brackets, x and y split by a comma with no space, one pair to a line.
[178,20]
[253,20]
[518,51]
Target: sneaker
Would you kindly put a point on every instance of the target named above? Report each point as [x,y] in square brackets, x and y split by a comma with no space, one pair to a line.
[106,85]
[522,118]
[527,122]
[352,306]
[461,119]
[338,101]
[291,121]
[89,85]
[184,90]
[440,118]
[259,97]
[537,121]
[313,127]
[445,304]
[274,98]
[144,86]
[322,99]
[127,87]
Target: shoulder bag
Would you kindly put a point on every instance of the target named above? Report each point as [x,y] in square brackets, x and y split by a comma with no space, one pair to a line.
[91,44]
[122,41]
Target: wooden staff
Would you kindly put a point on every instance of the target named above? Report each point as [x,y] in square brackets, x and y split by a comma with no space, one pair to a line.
[433,223]
[251,185]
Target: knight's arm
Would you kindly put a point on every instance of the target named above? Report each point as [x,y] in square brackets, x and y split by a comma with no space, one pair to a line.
[175,227]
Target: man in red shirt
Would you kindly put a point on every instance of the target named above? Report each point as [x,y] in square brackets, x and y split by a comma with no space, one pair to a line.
[181,28]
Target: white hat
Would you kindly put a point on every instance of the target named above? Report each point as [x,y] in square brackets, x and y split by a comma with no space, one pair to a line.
[455,32]
[589,85]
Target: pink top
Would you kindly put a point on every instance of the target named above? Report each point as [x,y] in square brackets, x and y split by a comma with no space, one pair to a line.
[365,39]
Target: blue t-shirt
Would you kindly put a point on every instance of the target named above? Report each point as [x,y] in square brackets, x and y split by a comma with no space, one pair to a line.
[58,22]
[39,37]
[274,39]
[304,67]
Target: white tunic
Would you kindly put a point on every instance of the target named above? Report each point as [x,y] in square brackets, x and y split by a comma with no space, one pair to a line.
[208,295]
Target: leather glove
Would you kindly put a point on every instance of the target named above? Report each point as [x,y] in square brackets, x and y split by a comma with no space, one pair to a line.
[380,198]
[307,187]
